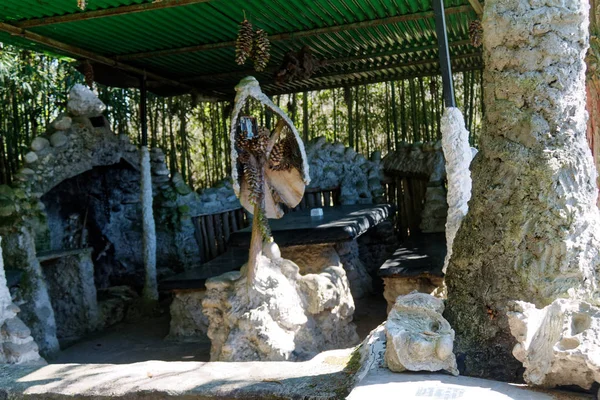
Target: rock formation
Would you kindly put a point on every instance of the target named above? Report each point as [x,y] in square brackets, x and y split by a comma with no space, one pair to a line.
[282,316]
[16,344]
[457,153]
[418,337]
[532,232]
[559,344]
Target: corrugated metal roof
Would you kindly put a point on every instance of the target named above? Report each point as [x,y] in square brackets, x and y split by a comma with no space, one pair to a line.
[172,41]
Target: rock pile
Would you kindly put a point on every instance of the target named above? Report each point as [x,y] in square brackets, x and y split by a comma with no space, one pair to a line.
[16,344]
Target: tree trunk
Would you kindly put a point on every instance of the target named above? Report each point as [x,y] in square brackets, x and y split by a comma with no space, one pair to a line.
[532,230]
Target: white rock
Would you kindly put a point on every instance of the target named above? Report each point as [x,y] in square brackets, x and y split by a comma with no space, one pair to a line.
[27,171]
[39,144]
[83,102]
[58,139]
[282,316]
[30,157]
[458,155]
[558,344]
[418,337]
[62,123]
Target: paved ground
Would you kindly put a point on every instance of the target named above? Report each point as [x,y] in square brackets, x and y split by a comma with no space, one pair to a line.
[382,384]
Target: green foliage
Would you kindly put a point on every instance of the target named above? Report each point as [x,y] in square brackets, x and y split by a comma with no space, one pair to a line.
[195,135]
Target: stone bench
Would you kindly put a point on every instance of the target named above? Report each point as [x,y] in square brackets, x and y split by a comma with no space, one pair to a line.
[416,265]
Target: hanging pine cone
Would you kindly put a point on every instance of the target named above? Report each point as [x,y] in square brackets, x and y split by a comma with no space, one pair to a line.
[244,42]
[476,33]
[88,72]
[262,50]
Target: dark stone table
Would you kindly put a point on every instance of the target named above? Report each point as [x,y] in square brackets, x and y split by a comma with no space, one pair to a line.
[338,224]
[422,254]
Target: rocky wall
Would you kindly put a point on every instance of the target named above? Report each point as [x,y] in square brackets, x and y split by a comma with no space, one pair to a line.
[332,165]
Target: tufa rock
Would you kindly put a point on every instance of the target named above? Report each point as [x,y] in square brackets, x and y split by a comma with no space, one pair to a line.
[559,344]
[62,123]
[84,103]
[282,316]
[418,337]
[58,139]
[30,157]
[39,144]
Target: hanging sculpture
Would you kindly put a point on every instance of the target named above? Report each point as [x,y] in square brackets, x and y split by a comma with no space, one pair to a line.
[298,65]
[269,168]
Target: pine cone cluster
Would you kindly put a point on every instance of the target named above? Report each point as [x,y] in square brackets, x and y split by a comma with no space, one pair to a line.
[88,73]
[244,42]
[262,48]
[476,33]
[285,154]
[252,45]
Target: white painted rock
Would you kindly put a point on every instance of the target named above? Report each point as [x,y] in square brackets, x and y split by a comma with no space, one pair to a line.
[39,144]
[30,157]
[83,102]
[283,316]
[58,139]
[62,123]
[418,337]
[558,344]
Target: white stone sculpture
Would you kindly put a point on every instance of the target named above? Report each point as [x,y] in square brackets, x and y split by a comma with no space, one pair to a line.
[418,337]
[458,155]
[282,316]
[16,344]
[268,311]
[84,103]
[558,344]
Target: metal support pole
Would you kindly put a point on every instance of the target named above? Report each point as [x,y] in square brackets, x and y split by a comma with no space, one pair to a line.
[446,69]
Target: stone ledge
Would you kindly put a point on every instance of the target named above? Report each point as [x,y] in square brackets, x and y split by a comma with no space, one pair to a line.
[323,377]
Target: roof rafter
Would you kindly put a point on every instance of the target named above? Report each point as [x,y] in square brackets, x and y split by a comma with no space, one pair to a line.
[347,80]
[82,53]
[107,12]
[371,68]
[341,60]
[295,35]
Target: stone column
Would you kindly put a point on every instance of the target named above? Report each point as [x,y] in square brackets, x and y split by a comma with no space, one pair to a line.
[149,229]
[532,230]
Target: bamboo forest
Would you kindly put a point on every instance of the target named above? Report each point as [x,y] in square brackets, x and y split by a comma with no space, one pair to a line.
[192,131]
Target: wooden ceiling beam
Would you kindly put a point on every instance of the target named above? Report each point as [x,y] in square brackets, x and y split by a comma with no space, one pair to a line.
[295,35]
[383,67]
[78,52]
[477,7]
[272,90]
[334,61]
[107,12]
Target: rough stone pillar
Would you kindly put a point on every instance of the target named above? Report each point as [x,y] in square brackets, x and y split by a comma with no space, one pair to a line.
[149,229]
[457,152]
[532,230]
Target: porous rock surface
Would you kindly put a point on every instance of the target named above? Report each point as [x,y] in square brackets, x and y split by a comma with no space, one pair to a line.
[532,232]
[559,344]
[418,337]
[84,103]
[16,344]
[457,153]
[333,165]
[282,316]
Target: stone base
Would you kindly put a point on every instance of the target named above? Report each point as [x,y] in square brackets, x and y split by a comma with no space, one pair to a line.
[282,315]
[188,322]
[395,286]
